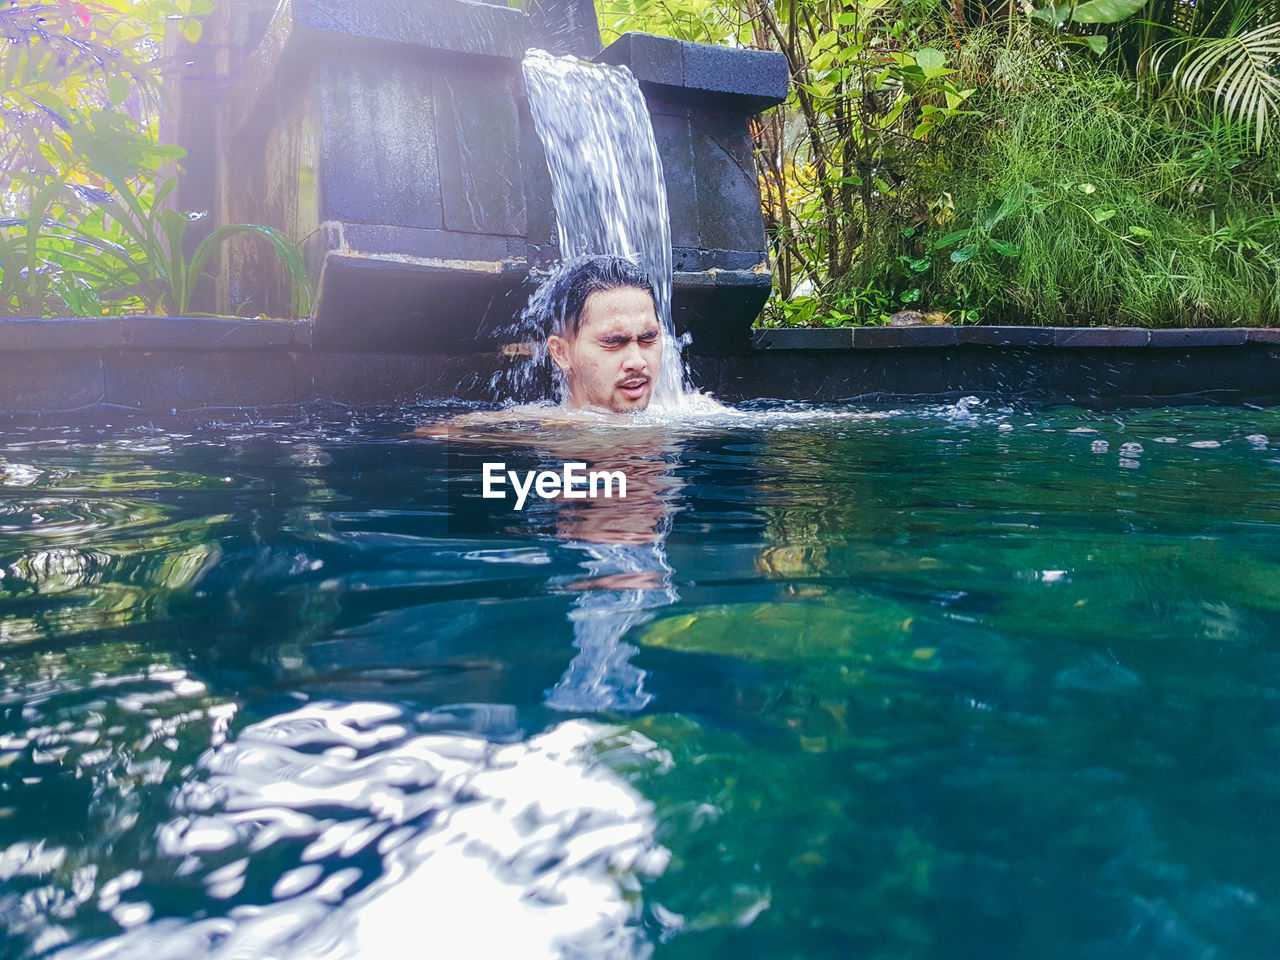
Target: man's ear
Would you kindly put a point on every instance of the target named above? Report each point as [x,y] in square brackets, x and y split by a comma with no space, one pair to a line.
[558,347]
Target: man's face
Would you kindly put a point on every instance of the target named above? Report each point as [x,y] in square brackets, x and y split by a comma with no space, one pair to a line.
[613,360]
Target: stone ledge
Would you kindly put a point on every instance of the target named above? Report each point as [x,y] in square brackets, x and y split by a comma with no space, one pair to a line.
[1101,337]
[799,338]
[148,333]
[930,337]
[876,337]
[62,333]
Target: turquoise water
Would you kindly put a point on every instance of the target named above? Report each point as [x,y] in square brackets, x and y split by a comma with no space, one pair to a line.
[940,681]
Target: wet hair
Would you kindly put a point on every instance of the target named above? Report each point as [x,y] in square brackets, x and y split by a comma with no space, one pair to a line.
[577,279]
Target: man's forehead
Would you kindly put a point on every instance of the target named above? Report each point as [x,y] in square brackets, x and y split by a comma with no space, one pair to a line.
[622,308]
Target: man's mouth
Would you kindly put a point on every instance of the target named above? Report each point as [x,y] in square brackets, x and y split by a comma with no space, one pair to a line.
[634,388]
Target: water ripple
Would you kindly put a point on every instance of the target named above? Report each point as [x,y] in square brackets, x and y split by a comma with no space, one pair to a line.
[383,839]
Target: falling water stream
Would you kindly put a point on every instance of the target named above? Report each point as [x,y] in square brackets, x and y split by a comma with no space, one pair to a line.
[606,179]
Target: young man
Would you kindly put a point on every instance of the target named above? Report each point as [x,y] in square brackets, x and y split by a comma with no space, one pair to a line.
[605,340]
[605,337]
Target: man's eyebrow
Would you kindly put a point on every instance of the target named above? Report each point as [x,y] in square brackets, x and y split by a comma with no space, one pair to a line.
[619,337]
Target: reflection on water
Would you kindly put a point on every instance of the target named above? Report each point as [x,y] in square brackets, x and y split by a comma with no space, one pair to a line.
[947,681]
[626,576]
[346,831]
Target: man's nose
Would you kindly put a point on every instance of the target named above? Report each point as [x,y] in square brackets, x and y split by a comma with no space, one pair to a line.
[634,358]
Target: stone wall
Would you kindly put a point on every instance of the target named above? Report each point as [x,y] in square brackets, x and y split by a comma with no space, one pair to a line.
[158,366]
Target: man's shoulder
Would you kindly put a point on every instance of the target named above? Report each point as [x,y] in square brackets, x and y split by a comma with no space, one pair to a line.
[523,416]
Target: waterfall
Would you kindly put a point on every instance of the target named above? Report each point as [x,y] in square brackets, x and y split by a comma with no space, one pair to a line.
[606,180]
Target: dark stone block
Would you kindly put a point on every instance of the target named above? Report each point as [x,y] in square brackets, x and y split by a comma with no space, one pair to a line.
[717,307]
[1203,337]
[401,378]
[478,131]
[300,333]
[746,81]
[167,380]
[803,338]
[675,147]
[761,75]
[49,381]
[1100,377]
[61,333]
[1264,335]
[728,191]
[650,58]
[454,25]
[200,333]
[392,305]
[880,337]
[1100,337]
[382,239]
[378,160]
[540,218]
[1006,336]
[691,259]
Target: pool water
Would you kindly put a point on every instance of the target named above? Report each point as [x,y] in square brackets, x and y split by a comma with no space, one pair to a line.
[935,681]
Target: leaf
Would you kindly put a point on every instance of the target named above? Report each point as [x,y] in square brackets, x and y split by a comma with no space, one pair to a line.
[931,61]
[191,30]
[1006,249]
[1242,65]
[1011,201]
[118,88]
[1053,13]
[286,250]
[951,238]
[1102,216]
[965,253]
[1140,231]
[912,76]
[1095,11]
[1107,11]
[1086,187]
[1095,43]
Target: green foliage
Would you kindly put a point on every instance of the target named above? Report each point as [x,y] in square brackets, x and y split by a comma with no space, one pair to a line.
[65,62]
[702,21]
[1104,161]
[1240,69]
[1077,202]
[85,223]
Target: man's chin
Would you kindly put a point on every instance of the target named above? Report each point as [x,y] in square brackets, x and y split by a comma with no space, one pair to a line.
[624,404]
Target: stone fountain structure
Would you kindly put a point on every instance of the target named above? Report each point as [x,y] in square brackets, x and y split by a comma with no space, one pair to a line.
[394,138]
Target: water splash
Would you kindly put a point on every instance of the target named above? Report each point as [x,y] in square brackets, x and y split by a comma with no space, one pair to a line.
[606,180]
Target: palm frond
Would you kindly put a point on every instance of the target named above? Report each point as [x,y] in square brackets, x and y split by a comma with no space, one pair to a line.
[1240,69]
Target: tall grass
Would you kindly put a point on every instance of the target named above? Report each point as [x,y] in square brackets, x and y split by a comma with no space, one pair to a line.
[1074,200]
